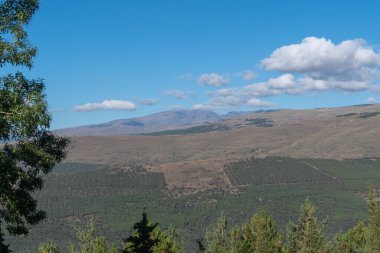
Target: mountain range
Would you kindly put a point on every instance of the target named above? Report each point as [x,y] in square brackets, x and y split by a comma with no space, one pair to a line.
[168,120]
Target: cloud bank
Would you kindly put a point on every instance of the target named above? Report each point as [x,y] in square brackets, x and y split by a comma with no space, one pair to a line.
[313,65]
[108,104]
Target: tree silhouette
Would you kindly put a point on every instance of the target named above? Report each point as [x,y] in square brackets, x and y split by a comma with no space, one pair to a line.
[141,241]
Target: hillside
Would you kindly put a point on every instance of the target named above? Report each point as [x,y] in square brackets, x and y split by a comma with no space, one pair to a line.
[332,132]
[202,151]
[186,177]
[155,122]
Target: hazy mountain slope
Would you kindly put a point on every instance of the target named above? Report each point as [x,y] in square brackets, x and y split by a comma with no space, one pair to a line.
[151,123]
[299,133]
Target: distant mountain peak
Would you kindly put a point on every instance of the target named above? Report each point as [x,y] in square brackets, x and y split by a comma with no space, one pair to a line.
[167,120]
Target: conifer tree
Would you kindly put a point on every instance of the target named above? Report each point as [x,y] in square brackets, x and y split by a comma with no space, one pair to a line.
[307,236]
[167,242]
[373,232]
[89,243]
[148,238]
[350,242]
[48,247]
[218,237]
[266,238]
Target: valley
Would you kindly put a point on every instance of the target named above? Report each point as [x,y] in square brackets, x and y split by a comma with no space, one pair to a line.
[186,178]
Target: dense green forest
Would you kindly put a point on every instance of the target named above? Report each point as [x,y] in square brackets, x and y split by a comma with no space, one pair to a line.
[258,234]
[114,198]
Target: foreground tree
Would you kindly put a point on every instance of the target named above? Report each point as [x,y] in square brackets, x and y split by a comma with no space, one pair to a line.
[258,235]
[48,247]
[372,233]
[148,238]
[350,242]
[89,243]
[28,150]
[261,234]
[307,236]
[218,237]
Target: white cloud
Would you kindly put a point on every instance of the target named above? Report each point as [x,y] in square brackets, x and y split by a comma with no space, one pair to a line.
[320,58]
[372,100]
[150,101]
[247,75]
[108,104]
[224,92]
[213,79]
[201,107]
[255,102]
[179,94]
[314,65]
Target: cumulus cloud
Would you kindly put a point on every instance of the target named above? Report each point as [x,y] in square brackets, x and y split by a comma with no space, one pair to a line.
[372,100]
[213,79]
[313,65]
[108,104]
[150,101]
[179,94]
[320,58]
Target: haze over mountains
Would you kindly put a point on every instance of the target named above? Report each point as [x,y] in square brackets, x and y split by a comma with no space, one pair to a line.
[342,132]
[161,121]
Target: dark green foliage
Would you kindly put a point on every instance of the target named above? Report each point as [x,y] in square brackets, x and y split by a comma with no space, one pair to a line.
[28,151]
[68,167]
[260,122]
[307,236]
[362,115]
[35,153]
[141,241]
[259,235]
[169,242]
[368,115]
[4,248]
[351,242]
[218,237]
[272,170]
[148,238]
[110,196]
[48,247]
[14,14]
[89,243]
[372,234]
[211,127]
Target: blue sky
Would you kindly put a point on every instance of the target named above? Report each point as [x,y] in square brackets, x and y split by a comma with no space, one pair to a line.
[104,60]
